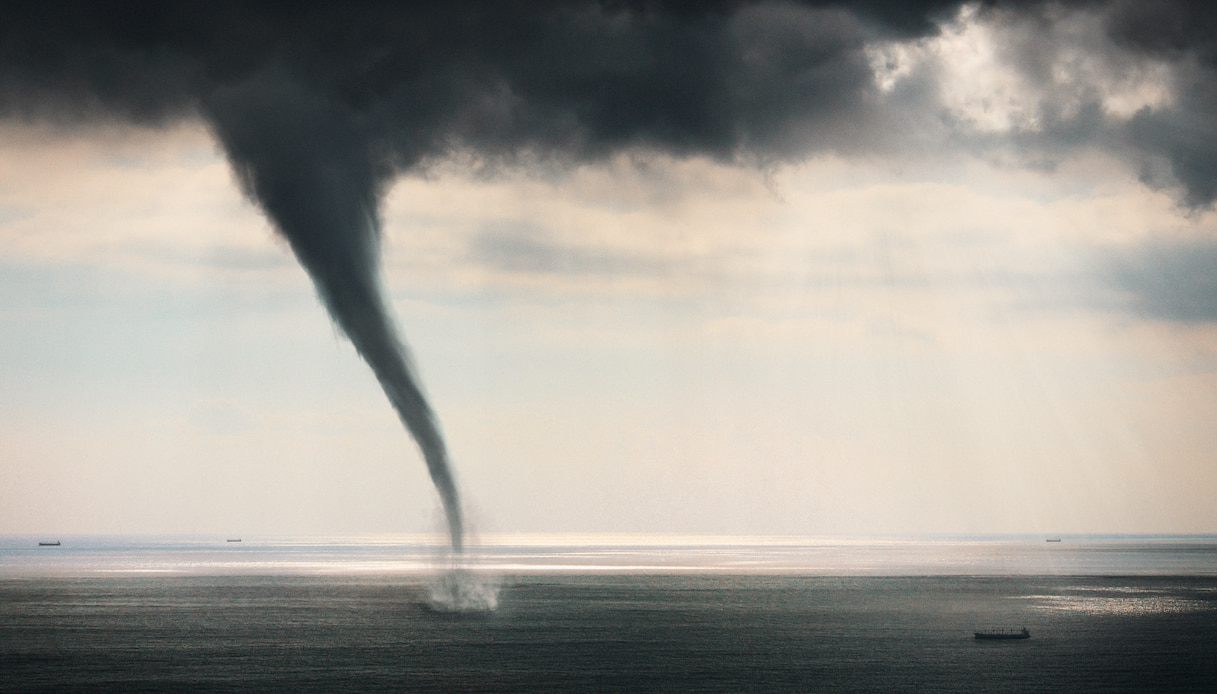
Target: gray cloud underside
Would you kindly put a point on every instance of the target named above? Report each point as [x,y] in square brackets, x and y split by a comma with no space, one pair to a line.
[1173,145]
[567,79]
[577,79]
[1168,280]
[531,253]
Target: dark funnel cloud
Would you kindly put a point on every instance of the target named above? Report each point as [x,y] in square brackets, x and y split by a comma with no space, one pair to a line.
[313,172]
[318,105]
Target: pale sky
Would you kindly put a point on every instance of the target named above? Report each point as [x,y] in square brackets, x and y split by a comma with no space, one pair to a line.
[979,329]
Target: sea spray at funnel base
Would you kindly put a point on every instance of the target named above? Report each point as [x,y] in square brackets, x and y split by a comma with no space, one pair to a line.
[458,589]
[319,180]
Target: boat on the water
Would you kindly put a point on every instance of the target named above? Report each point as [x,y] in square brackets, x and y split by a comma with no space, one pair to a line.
[1053,539]
[1003,635]
[49,544]
[236,540]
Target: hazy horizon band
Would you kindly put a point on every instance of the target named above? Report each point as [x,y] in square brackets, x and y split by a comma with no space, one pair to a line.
[1179,555]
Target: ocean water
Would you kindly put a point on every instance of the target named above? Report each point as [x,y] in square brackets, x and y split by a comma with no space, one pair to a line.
[173,614]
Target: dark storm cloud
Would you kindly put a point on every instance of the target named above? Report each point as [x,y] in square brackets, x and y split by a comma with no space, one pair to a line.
[1184,133]
[1168,28]
[576,78]
[1174,145]
[1185,137]
[573,79]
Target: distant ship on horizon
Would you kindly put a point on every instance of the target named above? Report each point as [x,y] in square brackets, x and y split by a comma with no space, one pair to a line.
[1003,635]
[234,540]
[1053,539]
[49,544]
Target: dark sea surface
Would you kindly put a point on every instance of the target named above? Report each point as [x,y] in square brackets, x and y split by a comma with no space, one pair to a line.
[343,624]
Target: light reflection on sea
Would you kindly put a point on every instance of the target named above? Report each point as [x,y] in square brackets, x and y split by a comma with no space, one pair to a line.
[1123,600]
[521,554]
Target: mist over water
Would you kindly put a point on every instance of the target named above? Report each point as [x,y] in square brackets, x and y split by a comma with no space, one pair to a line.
[458,589]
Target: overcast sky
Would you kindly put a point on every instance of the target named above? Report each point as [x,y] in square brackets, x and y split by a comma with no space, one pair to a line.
[762,268]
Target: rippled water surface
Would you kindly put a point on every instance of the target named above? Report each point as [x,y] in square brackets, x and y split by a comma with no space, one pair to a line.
[330,617]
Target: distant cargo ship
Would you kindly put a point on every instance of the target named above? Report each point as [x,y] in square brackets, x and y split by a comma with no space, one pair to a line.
[1003,635]
[1053,539]
[236,540]
[49,544]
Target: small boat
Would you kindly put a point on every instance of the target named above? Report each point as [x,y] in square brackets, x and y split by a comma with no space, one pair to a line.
[236,540]
[1003,635]
[49,544]
[1053,539]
